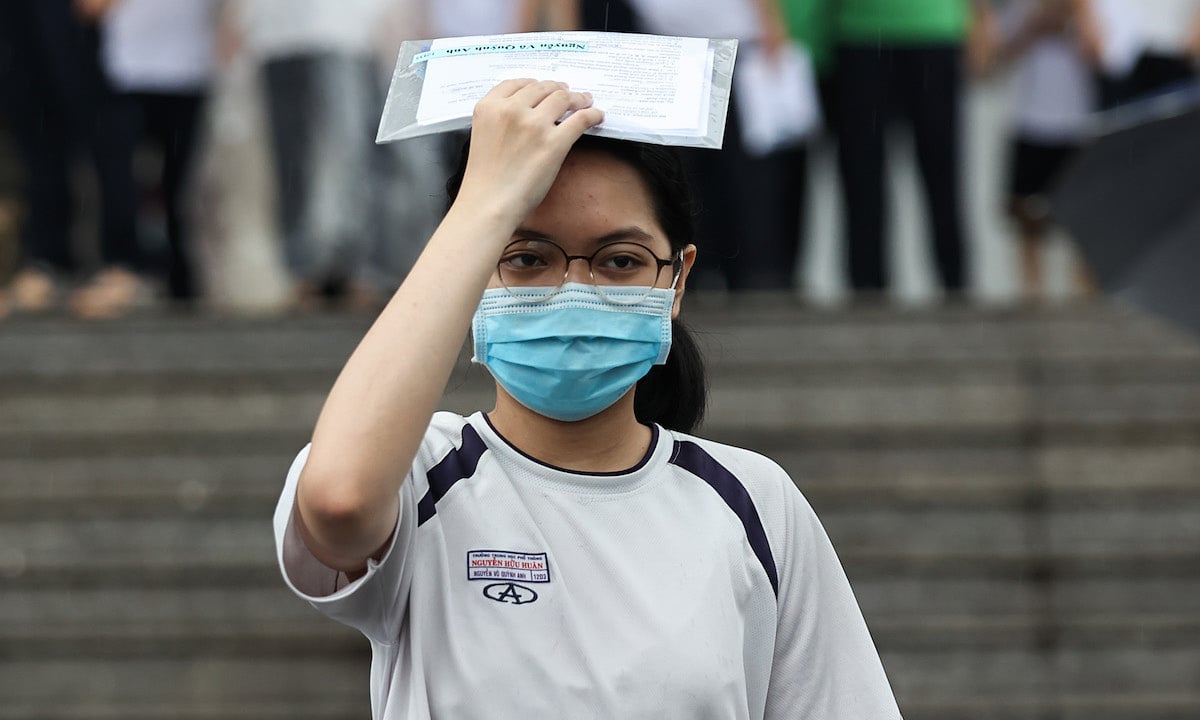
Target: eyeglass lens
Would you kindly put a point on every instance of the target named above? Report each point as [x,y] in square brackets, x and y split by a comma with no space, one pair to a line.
[539,263]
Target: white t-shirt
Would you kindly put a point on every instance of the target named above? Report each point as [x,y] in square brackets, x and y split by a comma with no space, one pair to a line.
[454,18]
[278,28]
[1055,90]
[737,19]
[160,45]
[1133,27]
[699,584]
[1166,25]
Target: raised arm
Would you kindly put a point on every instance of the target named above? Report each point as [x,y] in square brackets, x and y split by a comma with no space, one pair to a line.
[772,29]
[379,408]
[991,46]
[1090,28]
[983,40]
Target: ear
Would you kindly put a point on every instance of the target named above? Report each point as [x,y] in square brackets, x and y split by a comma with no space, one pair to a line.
[689,259]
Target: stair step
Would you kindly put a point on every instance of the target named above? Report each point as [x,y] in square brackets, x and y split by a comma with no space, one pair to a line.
[771,331]
[219,481]
[184,682]
[277,635]
[1096,706]
[958,674]
[124,709]
[898,406]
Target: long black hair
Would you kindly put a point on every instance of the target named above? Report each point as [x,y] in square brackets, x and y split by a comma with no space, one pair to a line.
[674,394]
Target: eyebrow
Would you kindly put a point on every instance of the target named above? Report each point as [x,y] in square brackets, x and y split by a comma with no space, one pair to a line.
[632,232]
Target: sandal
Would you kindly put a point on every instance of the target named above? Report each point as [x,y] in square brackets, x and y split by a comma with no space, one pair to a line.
[111,294]
[33,291]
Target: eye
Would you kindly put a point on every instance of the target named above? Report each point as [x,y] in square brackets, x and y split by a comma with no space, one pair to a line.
[530,256]
[524,260]
[623,259]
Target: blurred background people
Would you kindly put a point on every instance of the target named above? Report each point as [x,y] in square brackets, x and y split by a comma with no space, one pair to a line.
[595,15]
[900,59]
[1045,44]
[323,92]
[59,105]
[1164,36]
[159,56]
[746,244]
[11,206]
[458,18]
[809,26]
[455,18]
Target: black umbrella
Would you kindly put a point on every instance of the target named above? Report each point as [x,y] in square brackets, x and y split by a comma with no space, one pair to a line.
[1132,203]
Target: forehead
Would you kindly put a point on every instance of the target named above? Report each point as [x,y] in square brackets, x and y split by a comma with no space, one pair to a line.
[594,194]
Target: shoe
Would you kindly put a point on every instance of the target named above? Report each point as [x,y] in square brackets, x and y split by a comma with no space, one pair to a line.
[33,291]
[111,294]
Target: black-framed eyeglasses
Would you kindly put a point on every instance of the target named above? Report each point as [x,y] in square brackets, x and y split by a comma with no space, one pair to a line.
[535,269]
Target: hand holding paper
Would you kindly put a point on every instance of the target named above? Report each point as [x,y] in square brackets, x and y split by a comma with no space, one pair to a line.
[518,146]
[654,88]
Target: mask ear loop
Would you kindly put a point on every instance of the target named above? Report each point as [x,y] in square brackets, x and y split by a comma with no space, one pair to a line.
[678,269]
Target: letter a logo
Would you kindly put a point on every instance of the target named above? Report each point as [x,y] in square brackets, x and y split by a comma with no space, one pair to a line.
[510,593]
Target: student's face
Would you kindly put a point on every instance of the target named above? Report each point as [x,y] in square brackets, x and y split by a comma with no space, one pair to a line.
[596,200]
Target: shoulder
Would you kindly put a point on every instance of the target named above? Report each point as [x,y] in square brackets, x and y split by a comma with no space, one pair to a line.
[450,445]
[758,474]
[445,428]
[757,490]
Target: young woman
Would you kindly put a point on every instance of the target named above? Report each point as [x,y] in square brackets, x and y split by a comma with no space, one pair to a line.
[571,553]
[1046,42]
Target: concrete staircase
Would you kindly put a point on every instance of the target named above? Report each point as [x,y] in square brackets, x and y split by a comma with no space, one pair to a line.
[1015,495]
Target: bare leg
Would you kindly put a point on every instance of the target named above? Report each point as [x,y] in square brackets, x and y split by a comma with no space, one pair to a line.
[1030,217]
[1086,285]
[1032,283]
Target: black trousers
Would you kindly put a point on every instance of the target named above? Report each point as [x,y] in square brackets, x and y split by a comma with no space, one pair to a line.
[749,214]
[323,112]
[608,15]
[58,104]
[920,84]
[170,123]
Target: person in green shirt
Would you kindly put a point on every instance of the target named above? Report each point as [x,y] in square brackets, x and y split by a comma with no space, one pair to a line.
[900,58]
[810,23]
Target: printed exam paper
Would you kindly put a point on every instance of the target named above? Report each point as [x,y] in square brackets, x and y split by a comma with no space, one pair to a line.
[643,83]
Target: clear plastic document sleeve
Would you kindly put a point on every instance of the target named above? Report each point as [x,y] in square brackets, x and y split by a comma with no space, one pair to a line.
[652,88]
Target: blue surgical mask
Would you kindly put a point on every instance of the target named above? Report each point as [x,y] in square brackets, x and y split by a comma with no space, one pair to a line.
[575,354]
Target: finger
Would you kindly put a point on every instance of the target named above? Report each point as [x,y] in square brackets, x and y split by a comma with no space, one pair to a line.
[533,94]
[508,88]
[581,121]
[559,102]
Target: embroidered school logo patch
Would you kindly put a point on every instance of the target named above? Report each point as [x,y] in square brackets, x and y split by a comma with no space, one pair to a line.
[509,566]
[510,593]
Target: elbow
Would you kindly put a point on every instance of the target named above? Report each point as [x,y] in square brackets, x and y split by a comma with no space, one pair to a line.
[324,507]
[343,522]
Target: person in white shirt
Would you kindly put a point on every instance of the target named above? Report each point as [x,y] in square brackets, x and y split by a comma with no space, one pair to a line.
[573,552]
[323,90]
[1055,95]
[1147,47]
[750,244]
[160,58]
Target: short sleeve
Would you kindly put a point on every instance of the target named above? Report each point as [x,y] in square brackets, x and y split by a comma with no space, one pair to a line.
[825,664]
[373,604]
